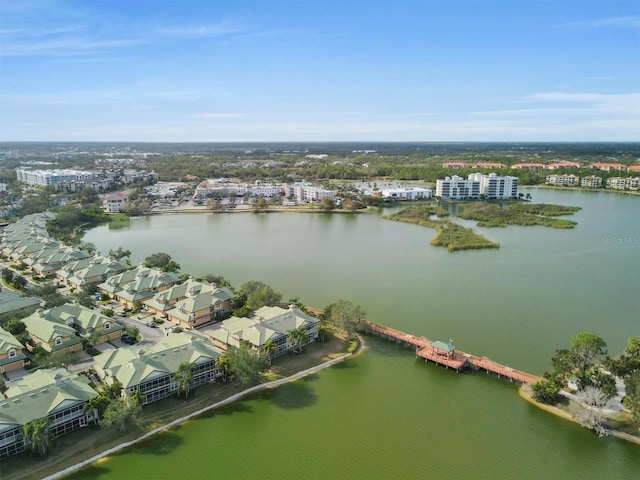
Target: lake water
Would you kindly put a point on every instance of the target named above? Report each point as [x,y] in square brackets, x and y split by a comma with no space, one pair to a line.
[386,414]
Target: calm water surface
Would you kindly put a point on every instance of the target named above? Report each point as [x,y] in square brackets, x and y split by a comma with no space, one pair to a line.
[385,414]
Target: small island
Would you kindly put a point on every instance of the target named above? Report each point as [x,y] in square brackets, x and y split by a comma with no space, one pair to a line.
[524,214]
[451,235]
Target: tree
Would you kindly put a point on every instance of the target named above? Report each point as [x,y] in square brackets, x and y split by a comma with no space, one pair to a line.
[3,387]
[260,294]
[327,204]
[37,435]
[157,260]
[223,364]
[133,331]
[49,293]
[88,195]
[184,377]
[15,326]
[97,404]
[217,280]
[246,363]
[589,407]
[120,412]
[88,247]
[629,361]
[261,204]
[632,395]
[7,275]
[347,316]
[585,347]
[19,282]
[214,205]
[268,348]
[546,391]
[119,253]
[298,336]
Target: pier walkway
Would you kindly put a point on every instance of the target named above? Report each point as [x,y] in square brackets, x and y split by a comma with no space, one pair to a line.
[447,355]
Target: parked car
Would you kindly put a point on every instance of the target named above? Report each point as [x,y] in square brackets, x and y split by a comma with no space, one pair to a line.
[128,339]
[151,324]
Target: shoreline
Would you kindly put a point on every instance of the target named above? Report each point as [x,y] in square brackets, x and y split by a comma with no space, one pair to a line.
[525,393]
[233,398]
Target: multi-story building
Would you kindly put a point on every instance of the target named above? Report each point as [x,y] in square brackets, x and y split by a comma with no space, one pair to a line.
[622,183]
[408,193]
[495,187]
[272,324]
[304,192]
[139,284]
[52,177]
[115,202]
[563,180]
[12,356]
[153,373]
[56,394]
[457,188]
[591,182]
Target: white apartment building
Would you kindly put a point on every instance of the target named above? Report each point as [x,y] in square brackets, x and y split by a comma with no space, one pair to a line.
[563,180]
[306,192]
[114,203]
[495,187]
[620,183]
[52,177]
[591,182]
[457,188]
[408,193]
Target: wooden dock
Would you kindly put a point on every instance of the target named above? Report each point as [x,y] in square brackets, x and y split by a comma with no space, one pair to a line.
[448,356]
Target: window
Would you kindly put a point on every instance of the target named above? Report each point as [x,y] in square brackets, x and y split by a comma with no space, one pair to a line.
[12,353]
[58,341]
[107,326]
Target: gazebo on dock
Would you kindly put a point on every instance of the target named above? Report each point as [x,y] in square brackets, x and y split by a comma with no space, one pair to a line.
[443,349]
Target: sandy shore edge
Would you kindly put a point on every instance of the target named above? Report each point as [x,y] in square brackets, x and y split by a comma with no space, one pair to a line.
[525,392]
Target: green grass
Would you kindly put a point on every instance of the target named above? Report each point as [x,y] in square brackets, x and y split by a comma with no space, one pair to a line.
[451,235]
[525,214]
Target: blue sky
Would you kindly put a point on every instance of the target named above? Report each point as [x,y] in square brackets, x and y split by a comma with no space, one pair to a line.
[319,70]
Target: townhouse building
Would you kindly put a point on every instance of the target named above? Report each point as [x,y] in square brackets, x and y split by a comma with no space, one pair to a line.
[267,324]
[56,394]
[12,356]
[152,373]
[562,180]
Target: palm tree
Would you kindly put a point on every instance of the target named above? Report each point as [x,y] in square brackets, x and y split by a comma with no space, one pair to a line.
[97,405]
[37,435]
[269,347]
[223,364]
[297,336]
[184,377]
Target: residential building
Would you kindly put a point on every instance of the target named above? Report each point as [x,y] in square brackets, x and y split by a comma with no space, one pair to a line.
[52,177]
[12,356]
[56,394]
[607,167]
[563,164]
[532,167]
[153,373]
[11,301]
[55,338]
[563,180]
[494,187]
[267,324]
[85,321]
[89,271]
[622,183]
[305,192]
[407,193]
[457,188]
[591,182]
[115,202]
[138,284]
[454,165]
[489,165]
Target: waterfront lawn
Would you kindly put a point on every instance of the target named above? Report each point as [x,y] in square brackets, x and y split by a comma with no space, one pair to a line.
[451,235]
[524,214]
[86,443]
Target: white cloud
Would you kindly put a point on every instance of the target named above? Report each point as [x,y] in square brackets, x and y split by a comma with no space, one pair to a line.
[628,21]
[218,115]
